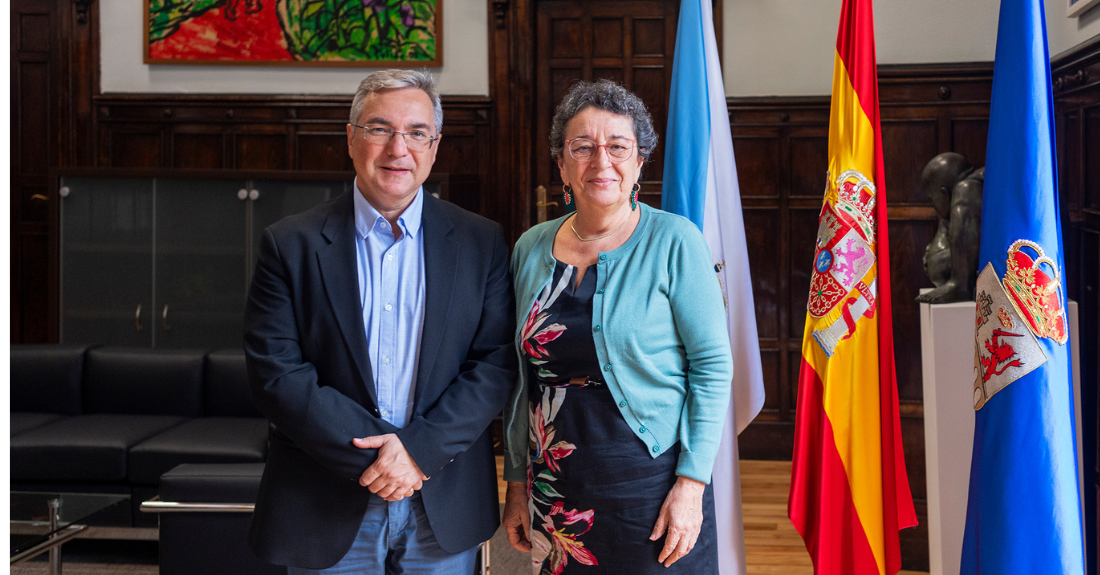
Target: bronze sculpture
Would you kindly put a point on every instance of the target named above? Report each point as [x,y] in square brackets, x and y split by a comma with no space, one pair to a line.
[951,259]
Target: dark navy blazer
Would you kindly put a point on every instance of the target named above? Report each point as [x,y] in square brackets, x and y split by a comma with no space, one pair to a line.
[310,374]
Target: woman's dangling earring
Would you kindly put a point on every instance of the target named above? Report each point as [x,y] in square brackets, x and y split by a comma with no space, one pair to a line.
[567,196]
[634,196]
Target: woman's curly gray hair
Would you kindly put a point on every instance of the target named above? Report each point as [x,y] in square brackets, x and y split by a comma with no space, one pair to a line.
[609,96]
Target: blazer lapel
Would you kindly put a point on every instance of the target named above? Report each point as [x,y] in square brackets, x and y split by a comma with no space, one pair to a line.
[441,253]
[339,274]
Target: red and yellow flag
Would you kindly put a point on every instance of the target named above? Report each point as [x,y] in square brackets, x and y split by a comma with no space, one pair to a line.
[849,492]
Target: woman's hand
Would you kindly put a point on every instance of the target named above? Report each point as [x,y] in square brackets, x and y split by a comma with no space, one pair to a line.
[682,516]
[517,517]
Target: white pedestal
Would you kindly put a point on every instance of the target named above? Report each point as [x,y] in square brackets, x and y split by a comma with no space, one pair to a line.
[947,361]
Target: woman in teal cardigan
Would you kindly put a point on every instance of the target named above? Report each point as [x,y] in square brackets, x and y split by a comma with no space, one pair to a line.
[614,424]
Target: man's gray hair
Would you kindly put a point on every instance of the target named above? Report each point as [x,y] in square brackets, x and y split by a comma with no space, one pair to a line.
[394,79]
[609,96]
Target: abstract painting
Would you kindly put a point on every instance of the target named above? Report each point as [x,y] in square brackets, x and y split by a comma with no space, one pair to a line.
[294,32]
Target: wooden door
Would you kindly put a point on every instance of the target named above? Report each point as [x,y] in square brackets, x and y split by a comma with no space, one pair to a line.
[628,41]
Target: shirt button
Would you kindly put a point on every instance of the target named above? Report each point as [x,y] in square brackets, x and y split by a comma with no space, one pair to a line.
[389,257]
[603,257]
[607,367]
[386,359]
[656,449]
[385,413]
[388,307]
[622,403]
[642,429]
[597,328]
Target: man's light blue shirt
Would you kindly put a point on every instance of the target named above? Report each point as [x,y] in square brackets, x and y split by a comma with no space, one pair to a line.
[391,291]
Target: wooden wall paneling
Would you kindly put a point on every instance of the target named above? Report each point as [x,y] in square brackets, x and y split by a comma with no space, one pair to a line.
[36,84]
[198,147]
[261,148]
[1077,104]
[907,145]
[322,148]
[137,147]
[1076,87]
[968,137]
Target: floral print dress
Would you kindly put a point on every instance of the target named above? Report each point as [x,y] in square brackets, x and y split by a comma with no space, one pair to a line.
[594,490]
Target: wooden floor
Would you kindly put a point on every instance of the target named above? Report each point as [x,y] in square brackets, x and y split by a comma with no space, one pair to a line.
[772,546]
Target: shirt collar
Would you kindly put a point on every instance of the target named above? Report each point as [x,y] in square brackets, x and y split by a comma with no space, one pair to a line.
[366,217]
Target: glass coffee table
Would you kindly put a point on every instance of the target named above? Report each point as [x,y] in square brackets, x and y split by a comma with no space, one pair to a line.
[42,522]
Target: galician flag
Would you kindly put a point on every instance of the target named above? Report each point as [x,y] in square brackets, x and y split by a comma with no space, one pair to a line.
[849,492]
[700,182]
[1023,514]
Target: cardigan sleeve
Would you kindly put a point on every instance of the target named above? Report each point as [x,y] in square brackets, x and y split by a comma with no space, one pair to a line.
[699,314]
[515,412]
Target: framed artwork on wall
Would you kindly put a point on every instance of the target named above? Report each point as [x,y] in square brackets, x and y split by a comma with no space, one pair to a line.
[294,32]
[1074,8]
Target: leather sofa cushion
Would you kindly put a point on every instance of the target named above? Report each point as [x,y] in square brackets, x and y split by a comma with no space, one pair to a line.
[212,483]
[225,385]
[21,422]
[84,448]
[46,378]
[143,381]
[203,440]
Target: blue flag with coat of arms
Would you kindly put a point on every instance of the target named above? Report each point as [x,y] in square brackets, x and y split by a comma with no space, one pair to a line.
[1023,515]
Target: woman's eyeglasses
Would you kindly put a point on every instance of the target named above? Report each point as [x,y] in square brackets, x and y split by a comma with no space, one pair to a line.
[583,149]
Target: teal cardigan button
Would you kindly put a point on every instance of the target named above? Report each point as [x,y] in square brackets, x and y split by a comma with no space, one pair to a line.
[622,403]
[656,449]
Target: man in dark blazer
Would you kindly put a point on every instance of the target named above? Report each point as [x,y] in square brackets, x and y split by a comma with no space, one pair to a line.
[378,339]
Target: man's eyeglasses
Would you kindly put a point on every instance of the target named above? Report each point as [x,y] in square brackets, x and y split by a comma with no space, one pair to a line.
[416,140]
[583,149]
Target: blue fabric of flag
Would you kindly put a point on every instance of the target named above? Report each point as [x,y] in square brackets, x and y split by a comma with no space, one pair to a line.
[1023,514]
[688,121]
[700,183]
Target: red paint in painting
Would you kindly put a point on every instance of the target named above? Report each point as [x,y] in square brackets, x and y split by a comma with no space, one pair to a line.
[212,36]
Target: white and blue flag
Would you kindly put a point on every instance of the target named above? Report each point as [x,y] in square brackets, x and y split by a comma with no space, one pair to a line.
[700,182]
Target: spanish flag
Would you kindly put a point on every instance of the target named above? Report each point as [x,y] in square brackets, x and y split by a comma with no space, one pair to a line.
[849,492]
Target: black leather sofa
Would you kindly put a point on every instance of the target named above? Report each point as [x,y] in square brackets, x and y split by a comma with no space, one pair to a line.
[113,420]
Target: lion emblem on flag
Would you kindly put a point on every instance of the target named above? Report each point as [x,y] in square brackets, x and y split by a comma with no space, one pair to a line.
[845,241]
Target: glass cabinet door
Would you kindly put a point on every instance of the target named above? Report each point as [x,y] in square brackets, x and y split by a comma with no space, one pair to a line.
[200,250]
[274,200]
[106,261]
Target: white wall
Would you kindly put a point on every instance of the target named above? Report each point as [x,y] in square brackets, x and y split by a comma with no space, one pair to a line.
[771,47]
[786,47]
[1065,33]
[465,69]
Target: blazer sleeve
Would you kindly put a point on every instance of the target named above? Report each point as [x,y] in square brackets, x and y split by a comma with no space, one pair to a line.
[698,310]
[319,419]
[477,394]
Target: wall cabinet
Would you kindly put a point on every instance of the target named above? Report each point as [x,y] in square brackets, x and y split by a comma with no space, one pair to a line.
[165,262]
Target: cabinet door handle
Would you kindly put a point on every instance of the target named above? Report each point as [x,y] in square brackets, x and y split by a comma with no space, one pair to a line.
[137,318]
[254,195]
[164,318]
[242,194]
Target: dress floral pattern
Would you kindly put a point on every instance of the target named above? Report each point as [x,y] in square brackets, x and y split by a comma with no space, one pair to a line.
[556,533]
